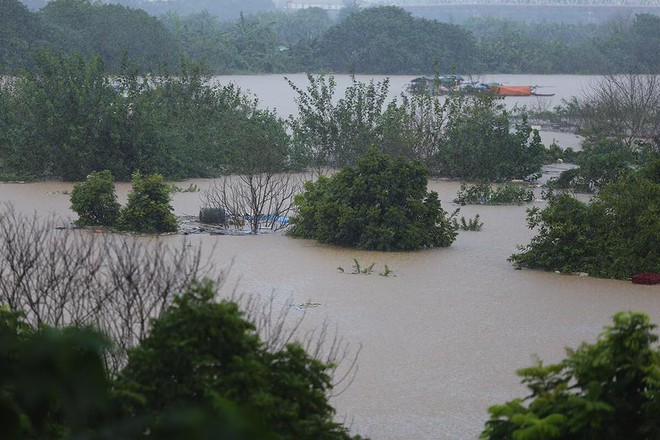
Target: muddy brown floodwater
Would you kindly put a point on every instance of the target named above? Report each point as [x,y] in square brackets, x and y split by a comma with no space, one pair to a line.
[442,339]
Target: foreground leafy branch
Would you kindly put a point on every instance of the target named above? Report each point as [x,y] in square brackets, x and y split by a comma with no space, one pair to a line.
[606,390]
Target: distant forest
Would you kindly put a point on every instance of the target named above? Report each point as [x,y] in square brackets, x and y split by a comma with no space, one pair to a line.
[383,40]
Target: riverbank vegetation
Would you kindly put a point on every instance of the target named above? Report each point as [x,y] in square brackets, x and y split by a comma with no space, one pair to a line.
[68,118]
[616,235]
[374,40]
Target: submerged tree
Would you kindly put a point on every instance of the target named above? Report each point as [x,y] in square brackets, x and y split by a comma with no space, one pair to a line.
[380,204]
[95,200]
[615,236]
[148,208]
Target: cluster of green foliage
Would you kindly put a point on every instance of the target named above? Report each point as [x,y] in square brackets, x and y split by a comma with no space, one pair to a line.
[89,28]
[382,204]
[202,372]
[606,390]
[251,36]
[601,162]
[69,118]
[614,236]
[389,40]
[479,144]
[148,209]
[95,200]
[467,137]
[52,381]
[485,194]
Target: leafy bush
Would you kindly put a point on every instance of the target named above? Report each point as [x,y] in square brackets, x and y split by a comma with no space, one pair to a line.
[486,194]
[95,201]
[601,162]
[148,208]
[606,390]
[615,236]
[380,204]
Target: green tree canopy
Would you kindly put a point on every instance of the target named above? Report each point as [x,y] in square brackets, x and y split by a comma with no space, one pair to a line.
[110,31]
[381,204]
[21,33]
[53,382]
[199,352]
[389,40]
[95,200]
[148,208]
[202,373]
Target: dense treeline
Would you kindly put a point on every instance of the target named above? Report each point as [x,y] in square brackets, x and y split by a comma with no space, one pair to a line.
[621,45]
[374,40]
[67,119]
[80,26]
[223,9]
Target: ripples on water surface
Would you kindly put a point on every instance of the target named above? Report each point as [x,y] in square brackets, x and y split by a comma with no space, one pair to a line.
[441,340]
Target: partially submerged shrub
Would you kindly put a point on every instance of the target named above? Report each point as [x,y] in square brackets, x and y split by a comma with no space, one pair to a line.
[614,236]
[380,204]
[148,208]
[95,201]
[486,194]
[471,224]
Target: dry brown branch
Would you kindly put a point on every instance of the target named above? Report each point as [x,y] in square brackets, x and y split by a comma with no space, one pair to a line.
[76,277]
[626,107]
[119,283]
[277,328]
[258,200]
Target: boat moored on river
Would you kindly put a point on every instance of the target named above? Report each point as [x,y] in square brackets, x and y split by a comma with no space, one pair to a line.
[454,84]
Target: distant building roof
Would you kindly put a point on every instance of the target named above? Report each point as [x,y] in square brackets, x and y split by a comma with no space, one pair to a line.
[330,5]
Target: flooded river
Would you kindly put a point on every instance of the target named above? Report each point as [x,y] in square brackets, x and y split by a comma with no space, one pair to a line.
[441,339]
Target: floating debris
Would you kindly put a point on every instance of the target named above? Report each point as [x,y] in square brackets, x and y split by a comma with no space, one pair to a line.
[306,305]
